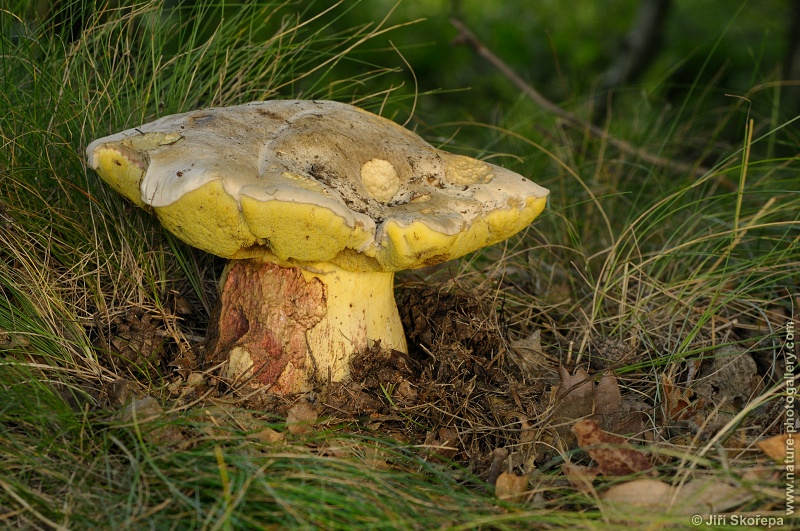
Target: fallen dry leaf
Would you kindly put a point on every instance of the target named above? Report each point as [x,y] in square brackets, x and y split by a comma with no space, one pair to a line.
[679,404]
[613,454]
[580,477]
[510,486]
[9,340]
[759,474]
[527,432]
[443,442]
[574,399]
[630,418]
[577,396]
[376,458]
[142,412]
[118,392]
[404,393]
[529,355]
[699,496]
[645,493]
[576,392]
[268,435]
[709,496]
[607,396]
[301,418]
[775,447]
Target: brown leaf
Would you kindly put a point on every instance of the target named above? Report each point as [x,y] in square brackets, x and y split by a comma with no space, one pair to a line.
[613,454]
[268,435]
[731,375]
[645,493]
[405,394]
[301,418]
[527,433]
[699,496]
[528,354]
[574,397]
[678,404]
[181,305]
[443,442]
[376,458]
[579,397]
[580,477]
[607,396]
[709,496]
[577,387]
[144,412]
[118,392]
[775,447]
[9,340]
[510,486]
[629,418]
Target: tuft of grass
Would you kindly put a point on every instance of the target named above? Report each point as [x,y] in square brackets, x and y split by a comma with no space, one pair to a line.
[88,472]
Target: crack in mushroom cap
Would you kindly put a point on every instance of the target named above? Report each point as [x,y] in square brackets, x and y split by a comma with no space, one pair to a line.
[314,181]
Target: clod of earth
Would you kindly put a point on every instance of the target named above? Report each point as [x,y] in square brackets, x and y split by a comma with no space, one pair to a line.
[316,204]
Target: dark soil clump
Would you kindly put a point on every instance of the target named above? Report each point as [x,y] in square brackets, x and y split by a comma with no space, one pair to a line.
[454,393]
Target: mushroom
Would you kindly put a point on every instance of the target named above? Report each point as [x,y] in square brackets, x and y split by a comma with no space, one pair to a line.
[316,204]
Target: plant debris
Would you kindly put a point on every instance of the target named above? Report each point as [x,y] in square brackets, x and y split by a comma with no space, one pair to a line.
[698,496]
[466,393]
[776,446]
[577,397]
[730,376]
[510,486]
[142,412]
[613,454]
[301,418]
[642,493]
[454,393]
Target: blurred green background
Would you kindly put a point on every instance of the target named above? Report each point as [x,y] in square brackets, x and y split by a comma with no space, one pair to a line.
[702,52]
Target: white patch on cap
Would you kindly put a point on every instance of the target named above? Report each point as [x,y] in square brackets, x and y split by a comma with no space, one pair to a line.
[380,179]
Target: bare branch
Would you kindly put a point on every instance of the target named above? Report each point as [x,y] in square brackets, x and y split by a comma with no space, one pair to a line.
[468,37]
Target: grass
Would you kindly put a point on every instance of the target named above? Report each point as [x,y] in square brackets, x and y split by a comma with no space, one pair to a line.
[88,475]
[661,266]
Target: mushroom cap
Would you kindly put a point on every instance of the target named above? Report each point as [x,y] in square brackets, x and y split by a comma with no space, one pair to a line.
[313,181]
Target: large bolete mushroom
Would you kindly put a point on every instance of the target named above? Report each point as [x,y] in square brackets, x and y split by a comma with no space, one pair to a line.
[316,204]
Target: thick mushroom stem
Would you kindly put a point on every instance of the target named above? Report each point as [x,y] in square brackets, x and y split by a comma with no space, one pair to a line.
[289,329]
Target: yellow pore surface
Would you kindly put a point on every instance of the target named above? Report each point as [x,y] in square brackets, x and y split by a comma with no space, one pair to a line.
[210,219]
[254,232]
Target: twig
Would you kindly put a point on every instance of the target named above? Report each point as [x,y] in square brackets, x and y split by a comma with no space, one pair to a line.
[499,456]
[467,37]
